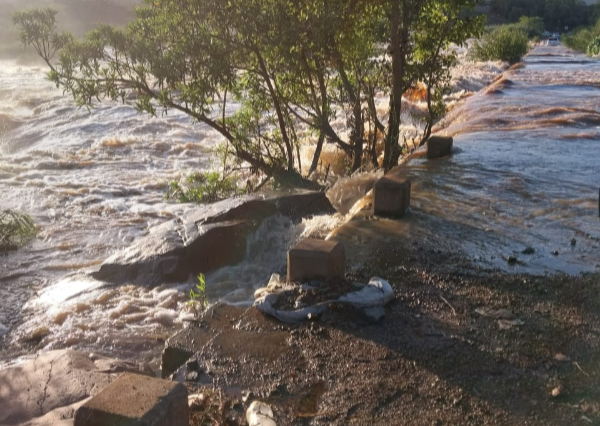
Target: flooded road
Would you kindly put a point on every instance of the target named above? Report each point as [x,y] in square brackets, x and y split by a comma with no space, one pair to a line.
[524,178]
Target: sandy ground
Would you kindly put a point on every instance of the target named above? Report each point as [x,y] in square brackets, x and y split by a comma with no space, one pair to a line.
[458,345]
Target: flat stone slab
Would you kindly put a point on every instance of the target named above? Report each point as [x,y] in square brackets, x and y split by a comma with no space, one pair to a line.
[135,400]
[43,390]
[391,196]
[316,259]
[439,146]
[208,238]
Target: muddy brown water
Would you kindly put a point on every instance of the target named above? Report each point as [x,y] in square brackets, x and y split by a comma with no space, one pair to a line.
[525,173]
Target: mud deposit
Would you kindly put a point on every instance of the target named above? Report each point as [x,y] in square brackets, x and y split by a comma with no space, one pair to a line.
[446,353]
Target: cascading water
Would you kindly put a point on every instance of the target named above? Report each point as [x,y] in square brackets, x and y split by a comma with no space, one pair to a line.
[94,181]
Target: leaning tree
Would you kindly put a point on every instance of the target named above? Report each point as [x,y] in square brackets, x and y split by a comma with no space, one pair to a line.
[292,67]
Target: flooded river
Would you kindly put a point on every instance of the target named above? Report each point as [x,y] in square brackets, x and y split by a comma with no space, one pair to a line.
[525,173]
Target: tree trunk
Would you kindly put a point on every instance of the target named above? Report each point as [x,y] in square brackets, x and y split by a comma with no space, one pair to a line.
[357,136]
[317,154]
[399,40]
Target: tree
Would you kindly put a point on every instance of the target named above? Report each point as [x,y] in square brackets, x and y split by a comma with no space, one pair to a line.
[194,57]
[420,32]
[291,66]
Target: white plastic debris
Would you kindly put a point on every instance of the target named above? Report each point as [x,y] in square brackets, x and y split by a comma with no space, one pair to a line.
[260,414]
[377,293]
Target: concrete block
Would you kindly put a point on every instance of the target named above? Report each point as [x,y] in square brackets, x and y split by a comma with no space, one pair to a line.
[391,196]
[439,146]
[135,400]
[316,259]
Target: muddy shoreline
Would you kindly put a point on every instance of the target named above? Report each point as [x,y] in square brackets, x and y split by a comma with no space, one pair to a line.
[437,358]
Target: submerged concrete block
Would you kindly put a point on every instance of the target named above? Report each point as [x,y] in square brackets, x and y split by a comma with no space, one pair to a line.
[391,196]
[137,400]
[439,146]
[316,259]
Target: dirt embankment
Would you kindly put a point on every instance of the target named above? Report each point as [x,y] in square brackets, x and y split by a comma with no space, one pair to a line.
[458,345]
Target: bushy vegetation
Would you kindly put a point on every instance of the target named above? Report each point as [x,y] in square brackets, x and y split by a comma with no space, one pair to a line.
[16,229]
[556,14]
[203,187]
[583,38]
[294,68]
[593,48]
[501,44]
[533,26]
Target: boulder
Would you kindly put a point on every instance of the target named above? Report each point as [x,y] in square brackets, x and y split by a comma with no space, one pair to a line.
[47,386]
[391,196]
[208,238]
[316,259]
[135,400]
[439,146]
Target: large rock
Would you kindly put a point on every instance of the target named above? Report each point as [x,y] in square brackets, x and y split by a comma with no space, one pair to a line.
[44,389]
[134,400]
[209,238]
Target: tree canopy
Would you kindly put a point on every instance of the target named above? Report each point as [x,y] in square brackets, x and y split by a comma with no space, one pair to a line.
[291,67]
[556,14]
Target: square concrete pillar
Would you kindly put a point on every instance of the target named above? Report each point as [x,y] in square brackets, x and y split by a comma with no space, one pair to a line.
[439,146]
[136,400]
[316,259]
[391,196]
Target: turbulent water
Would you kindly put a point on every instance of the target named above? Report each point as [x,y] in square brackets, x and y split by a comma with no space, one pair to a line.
[524,174]
[94,181]
[528,168]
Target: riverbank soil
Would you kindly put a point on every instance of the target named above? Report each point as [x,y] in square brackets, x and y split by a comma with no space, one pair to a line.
[458,345]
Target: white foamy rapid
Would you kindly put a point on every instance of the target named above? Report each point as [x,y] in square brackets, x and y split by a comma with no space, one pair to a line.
[95,181]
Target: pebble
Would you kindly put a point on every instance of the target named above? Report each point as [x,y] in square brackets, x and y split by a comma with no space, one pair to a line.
[192,377]
[512,260]
[528,250]
[561,358]
[557,391]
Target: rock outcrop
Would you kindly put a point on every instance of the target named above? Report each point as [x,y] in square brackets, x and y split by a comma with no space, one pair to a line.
[211,237]
[47,389]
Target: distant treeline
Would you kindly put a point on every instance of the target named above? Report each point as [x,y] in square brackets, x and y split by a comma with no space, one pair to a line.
[76,16]
[558,15]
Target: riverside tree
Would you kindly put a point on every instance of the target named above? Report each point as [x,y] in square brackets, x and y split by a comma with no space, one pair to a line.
[291,68]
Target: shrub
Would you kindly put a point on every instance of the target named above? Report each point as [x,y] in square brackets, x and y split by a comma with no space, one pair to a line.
[579,40]
[532,25]
[583,37]
[503,44]
[203,187]
[16,229]
[593,48]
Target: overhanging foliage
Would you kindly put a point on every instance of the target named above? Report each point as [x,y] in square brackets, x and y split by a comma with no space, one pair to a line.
[291,67]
